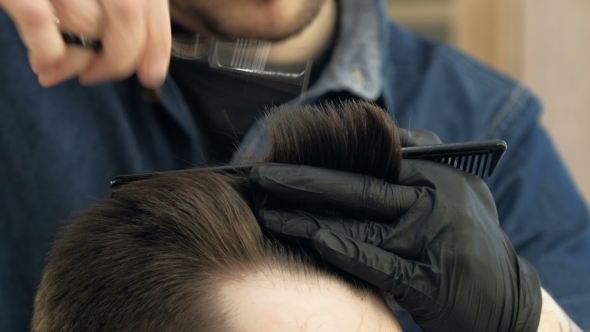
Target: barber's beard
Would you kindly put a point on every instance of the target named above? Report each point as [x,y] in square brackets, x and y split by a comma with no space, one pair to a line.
[215,21]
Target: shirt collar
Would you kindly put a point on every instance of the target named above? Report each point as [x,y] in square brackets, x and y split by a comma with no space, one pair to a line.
[356,62]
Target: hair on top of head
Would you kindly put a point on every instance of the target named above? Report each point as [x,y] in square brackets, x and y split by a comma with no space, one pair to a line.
[153,257]
[146,259]
[352,136]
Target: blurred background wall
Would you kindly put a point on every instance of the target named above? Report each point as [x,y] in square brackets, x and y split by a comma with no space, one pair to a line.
[543,43]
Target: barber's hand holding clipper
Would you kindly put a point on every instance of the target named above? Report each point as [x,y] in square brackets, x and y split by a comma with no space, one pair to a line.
[433,241]
[135,37]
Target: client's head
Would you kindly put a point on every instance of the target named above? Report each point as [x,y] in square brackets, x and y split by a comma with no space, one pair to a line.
[184,252]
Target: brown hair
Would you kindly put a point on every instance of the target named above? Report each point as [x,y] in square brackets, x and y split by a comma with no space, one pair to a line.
[151,258]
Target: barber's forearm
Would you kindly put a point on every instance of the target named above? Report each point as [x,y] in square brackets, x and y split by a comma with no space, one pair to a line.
[553,318]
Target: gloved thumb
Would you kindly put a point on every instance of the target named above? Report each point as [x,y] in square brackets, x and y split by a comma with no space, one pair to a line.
[364,261]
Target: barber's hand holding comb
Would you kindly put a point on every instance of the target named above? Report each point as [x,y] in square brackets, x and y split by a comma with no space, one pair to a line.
[433,241]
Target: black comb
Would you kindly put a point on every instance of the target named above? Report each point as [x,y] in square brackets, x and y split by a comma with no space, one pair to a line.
[479,158]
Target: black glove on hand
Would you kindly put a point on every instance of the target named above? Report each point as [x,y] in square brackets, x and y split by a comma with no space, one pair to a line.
[433,241]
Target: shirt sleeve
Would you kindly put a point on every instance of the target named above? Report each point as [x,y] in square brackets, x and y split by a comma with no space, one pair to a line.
[541,209]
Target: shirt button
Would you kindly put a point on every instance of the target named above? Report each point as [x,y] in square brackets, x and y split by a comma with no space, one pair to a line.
[359,78]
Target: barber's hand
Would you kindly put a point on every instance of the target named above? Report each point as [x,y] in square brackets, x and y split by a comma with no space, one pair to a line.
[135,37]
[433,241]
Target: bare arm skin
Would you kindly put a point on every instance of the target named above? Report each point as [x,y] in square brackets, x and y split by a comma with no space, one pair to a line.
[553,319]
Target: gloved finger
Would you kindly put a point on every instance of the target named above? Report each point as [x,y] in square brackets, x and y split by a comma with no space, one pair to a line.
[364,261]
[418,137]
[153,64]
[299,226]
[122,41]
[356,195]
[38,30]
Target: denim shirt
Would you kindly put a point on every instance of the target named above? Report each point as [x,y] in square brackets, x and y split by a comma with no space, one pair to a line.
[59,148]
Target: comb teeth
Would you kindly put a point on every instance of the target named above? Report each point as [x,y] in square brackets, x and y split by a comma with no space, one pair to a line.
[476,164]
[479,158]
[249,55]
[246,59]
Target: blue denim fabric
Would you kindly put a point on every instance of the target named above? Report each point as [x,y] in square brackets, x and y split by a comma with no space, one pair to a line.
[59,148]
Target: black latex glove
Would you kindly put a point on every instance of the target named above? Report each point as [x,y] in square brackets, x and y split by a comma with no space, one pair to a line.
[433,241]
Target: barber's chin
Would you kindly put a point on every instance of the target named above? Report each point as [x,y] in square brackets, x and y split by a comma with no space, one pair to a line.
[276,20]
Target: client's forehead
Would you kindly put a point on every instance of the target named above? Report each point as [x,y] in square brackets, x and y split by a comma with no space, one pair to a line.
[275,302]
